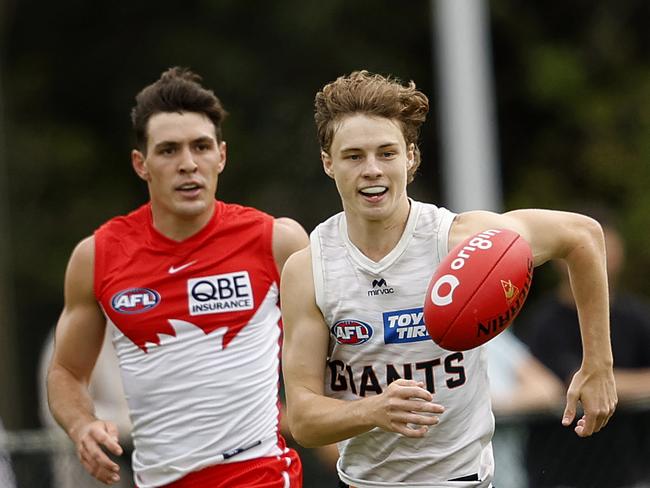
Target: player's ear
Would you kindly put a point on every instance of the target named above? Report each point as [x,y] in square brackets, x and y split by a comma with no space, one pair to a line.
[223,153]
[139,165]
[410,155]
[327,163]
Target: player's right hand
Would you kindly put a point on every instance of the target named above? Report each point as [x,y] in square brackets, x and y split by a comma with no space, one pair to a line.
[407,408]
[596,390]
[92,440]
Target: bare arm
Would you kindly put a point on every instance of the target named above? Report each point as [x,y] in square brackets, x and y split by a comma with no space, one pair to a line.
[315,419]
[579,241]
[78,340]
[107,391]
[288,237]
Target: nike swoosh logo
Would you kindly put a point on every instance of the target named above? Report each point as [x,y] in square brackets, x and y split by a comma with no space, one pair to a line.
[173,270]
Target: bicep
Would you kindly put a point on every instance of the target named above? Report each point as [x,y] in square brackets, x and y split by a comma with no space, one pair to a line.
[306,337]
[80,328]
[552,234]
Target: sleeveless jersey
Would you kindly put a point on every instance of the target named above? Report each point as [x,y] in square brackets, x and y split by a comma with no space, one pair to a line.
[377,334]
[196,327]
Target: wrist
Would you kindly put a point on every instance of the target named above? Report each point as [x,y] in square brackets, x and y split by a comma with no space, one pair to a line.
[598,365]
[367,416]
[77,427]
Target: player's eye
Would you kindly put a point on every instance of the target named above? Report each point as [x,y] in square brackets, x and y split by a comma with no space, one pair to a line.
[167,150]
[388,153]
[202,145]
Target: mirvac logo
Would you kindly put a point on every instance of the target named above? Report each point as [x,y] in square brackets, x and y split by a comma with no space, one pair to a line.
[380,287]
[135,300]
[405,326]
[230,292]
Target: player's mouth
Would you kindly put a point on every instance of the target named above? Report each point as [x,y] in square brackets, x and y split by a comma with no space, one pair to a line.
[373,193]
[189,189]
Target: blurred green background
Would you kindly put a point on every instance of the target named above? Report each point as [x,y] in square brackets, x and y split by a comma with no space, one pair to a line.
[572,81]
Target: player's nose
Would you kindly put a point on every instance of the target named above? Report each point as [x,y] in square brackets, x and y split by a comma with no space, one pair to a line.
[187,163]
[372,168]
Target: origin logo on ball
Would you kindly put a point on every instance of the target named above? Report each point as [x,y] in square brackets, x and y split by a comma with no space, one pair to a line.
[478,289]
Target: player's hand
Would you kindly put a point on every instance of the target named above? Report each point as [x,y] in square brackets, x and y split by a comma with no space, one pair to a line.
[406,407]
[92,441]
[596,390]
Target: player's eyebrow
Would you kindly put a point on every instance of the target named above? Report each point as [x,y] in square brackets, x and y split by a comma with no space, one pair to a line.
[204,140]
[355,148]
[165,145]
[173,144]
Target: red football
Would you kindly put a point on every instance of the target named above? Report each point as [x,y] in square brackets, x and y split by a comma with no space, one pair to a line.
[478,289]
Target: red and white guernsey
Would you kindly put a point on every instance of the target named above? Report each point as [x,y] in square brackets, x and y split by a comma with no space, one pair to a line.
[196,326]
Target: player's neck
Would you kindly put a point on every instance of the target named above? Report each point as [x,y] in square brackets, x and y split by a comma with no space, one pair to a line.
[178,227]
[377,238]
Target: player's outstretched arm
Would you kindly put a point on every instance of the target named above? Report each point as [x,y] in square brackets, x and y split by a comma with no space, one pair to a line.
[78,340]
[315,419]
[579,241]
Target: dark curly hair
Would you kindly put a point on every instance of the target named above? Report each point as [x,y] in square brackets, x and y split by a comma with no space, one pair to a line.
[177,90]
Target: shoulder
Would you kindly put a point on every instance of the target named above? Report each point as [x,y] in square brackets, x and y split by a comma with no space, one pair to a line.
[525,221]
[288,237]
[299,258]
[469,223]
[298,269]
[551,233]
[329,231]
[84,252]
[80,272]
[286,228]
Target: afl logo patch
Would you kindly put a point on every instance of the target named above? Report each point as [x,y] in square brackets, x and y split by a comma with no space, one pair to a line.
[135,300]
[351,332]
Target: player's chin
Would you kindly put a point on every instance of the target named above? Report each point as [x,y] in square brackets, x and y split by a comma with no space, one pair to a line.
[191,208]
[375,211]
